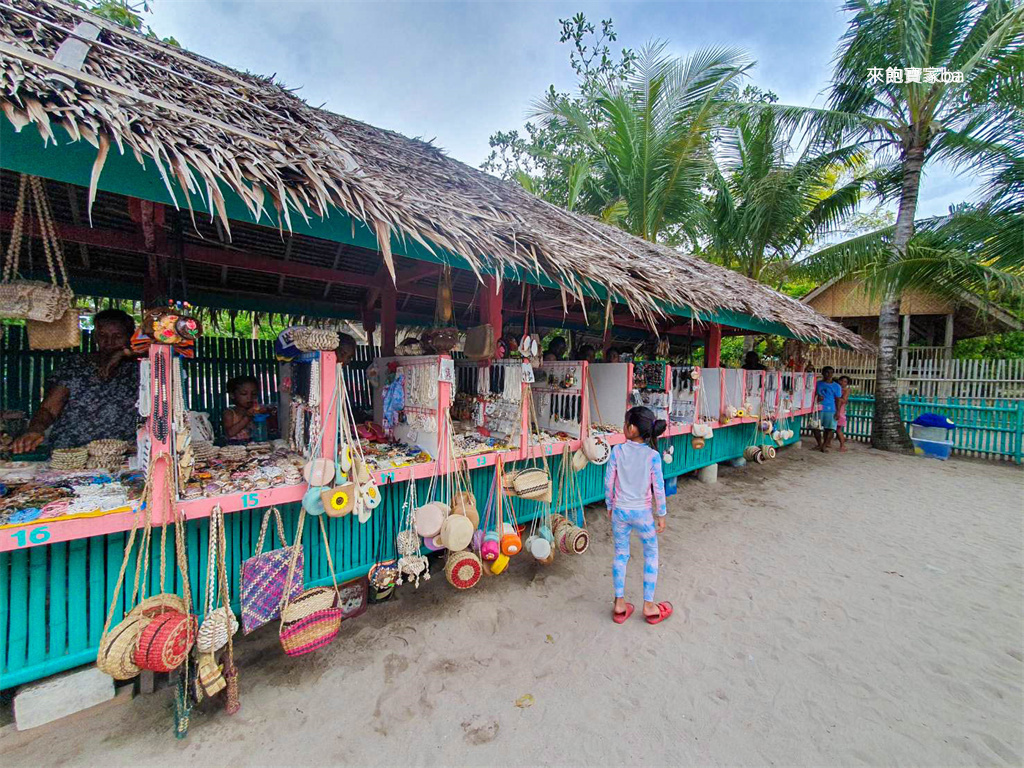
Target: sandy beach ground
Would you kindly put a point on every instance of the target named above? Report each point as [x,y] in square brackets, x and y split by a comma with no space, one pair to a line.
[830,610]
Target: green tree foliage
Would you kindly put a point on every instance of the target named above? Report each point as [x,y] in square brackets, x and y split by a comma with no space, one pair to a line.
[126,14]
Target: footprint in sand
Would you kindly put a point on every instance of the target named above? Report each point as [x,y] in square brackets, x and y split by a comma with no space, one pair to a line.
[477,731]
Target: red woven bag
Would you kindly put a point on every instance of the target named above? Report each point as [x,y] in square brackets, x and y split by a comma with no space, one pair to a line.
[165,641]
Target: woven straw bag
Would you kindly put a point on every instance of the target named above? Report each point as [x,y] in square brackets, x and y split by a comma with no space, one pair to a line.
[463,569]
[310,601]
[312,620]
[34,299]
[263,577]
[62,333]
[218,622]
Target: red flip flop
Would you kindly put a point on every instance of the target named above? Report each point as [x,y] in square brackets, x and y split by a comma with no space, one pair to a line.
[664,611]
[620,618]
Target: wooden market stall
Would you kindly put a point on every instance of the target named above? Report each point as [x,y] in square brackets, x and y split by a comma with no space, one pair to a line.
[172,177]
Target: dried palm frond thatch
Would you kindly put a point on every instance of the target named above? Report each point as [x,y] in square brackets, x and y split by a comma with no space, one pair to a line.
[203,124]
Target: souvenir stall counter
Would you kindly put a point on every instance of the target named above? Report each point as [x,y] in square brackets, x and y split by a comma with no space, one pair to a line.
[488,408]
[557,409]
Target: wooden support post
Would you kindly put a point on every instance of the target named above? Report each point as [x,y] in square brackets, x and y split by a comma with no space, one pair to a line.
[948,340]
[328,408]
[491,305]
[162,472]
[904,344]
[388,317]
[713,346]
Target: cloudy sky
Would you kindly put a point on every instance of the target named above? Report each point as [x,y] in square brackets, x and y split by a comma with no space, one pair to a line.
[458,72]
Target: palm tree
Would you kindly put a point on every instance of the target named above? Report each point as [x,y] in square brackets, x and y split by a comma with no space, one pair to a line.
[766,208]
[651,143]
[966,116]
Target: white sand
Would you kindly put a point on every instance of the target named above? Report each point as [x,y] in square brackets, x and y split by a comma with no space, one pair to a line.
[831,610]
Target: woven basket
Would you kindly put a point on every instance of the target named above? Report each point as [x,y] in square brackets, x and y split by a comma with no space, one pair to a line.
[62,333]
[213,632]
[463,570]
[579,541]
[165,641]
[116,656]
[309,602]
[311,632]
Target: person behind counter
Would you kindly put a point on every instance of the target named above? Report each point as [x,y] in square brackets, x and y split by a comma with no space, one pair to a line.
[238,419]
[346,349]
[556,349]
[92,396]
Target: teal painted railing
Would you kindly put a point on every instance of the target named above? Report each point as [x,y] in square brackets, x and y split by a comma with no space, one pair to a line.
[54,598]
[986,428]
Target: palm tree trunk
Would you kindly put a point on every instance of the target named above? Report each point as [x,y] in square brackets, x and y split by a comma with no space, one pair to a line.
[887,430]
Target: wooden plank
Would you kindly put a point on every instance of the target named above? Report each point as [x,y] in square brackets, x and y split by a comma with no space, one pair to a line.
[57,640]
[18,614]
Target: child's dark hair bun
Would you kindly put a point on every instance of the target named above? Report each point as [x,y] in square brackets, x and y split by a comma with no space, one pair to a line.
[659,427]
[650,429]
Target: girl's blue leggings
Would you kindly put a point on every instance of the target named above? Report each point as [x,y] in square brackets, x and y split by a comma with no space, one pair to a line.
[625,521]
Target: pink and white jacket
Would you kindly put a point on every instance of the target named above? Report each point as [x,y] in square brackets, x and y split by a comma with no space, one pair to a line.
[633,479]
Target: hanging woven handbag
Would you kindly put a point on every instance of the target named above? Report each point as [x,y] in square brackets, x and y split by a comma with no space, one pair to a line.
[34,299]
[313,619]
[479,343]
[219,623]
[263,577]
[463,569]
[62,333]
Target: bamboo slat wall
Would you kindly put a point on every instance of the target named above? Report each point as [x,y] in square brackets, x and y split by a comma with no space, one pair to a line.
[930,372]
[23,372]
[993,430]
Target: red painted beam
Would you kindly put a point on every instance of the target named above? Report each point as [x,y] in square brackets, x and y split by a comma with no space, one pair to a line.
[713,346]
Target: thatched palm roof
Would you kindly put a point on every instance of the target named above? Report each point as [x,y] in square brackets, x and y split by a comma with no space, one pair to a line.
[204,124]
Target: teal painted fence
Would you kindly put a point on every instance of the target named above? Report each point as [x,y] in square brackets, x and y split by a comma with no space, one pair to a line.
[992,429]
[54,598]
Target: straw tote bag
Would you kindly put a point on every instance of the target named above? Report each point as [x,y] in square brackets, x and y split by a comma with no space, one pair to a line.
[263,577]
[313,619]
[532,482]
[34,299]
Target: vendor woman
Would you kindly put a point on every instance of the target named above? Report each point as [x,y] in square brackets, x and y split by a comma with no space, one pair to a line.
[90,397]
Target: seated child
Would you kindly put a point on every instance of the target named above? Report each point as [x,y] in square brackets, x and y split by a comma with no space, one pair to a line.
[237,420]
